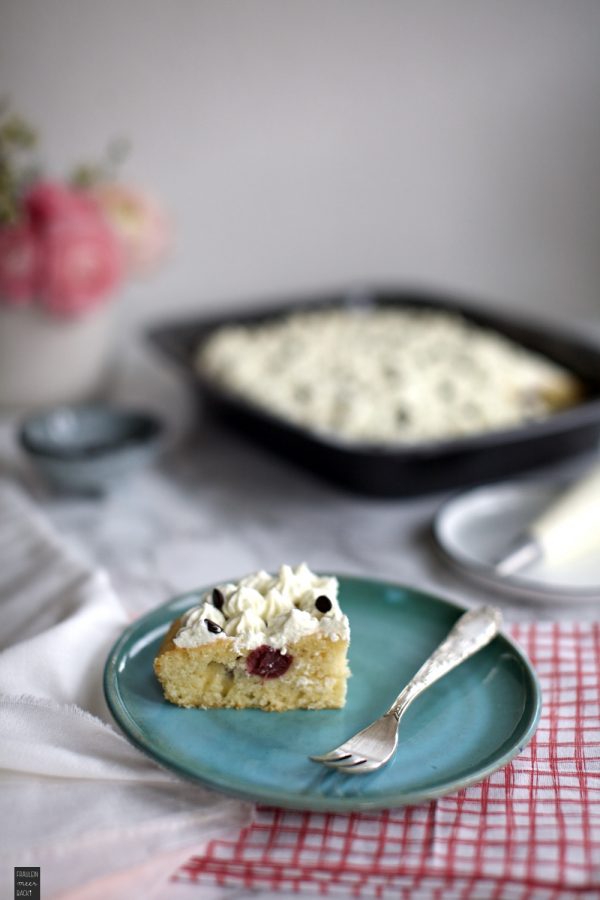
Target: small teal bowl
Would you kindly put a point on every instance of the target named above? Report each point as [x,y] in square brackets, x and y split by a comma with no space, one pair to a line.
[90,449]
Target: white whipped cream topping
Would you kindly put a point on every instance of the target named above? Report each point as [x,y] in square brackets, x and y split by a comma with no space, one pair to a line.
[249,622]
[276,603]
[243,599]
[290,626]
[276,610]
[194,630]
[386,375]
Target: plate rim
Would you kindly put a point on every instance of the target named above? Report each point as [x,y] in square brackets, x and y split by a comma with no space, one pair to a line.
[315,803]
[481,573]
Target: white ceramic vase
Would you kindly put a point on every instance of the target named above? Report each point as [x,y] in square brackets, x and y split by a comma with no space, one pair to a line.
[47,360]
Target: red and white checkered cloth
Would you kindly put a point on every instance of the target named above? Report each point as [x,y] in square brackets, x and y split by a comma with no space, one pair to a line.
[531,830]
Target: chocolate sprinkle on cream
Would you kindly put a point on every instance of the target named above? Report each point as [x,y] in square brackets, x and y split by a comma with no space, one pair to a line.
[212,626]
[218,600]
[323,603]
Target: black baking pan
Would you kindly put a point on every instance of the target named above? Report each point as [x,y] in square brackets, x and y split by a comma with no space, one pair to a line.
[400,470]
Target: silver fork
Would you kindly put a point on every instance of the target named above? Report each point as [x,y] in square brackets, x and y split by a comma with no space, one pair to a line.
[375,745]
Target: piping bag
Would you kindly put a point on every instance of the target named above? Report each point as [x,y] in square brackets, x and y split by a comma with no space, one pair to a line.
[567,528]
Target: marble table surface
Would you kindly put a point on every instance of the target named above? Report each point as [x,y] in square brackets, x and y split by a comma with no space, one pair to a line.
[215,506]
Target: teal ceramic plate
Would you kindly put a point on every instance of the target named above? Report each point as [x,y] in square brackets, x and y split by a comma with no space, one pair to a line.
[461,730]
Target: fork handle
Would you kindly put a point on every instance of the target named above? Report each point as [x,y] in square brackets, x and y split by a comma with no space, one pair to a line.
[472,631]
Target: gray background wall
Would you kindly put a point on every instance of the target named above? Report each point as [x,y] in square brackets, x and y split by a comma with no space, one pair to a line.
[313,143]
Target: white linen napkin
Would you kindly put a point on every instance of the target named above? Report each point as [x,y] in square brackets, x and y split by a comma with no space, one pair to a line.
[76,799]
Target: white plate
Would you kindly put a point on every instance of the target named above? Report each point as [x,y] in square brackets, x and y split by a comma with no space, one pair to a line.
[475,528]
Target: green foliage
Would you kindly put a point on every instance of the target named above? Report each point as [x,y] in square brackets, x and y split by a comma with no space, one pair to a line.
[87,175]
[18,169]
[17,141]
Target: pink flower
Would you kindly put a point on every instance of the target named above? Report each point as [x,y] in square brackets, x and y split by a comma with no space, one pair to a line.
[139,223]
[80,259]
[49,201]
[73,246]
[81,265]
[18,263]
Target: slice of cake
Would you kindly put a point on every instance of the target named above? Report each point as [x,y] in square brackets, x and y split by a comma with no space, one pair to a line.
[271,641]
